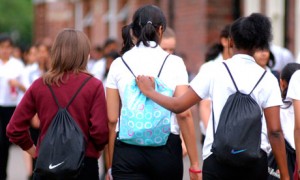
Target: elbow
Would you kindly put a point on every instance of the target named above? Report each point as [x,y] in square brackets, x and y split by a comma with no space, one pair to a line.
[276,134]
[184,115]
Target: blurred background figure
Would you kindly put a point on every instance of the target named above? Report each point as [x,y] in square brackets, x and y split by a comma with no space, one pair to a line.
[10,69]
[265,58]
[168,41]
[218,52]
[282,57]
[98,69]
[96,54]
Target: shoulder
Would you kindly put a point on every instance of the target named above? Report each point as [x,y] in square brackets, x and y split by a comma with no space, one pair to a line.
[36,85]
[174,59]
[16,62]
[296,75]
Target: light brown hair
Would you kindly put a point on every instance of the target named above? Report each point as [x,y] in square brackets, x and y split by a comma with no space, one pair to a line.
[69,53]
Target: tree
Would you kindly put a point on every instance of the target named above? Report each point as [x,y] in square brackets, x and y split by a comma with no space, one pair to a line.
[16,18]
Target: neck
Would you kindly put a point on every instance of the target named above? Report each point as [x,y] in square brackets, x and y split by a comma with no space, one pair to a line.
[243,51]
[4,60]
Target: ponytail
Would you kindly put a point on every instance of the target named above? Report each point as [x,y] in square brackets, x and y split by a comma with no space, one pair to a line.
[148,33]
[127,38]
[146,23]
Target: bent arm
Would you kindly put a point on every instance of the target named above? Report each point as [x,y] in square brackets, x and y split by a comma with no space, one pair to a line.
[113,110]
[174,104]
[276,138]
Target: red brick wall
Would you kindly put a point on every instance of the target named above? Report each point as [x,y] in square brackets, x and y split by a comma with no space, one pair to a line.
[50,18]
[197,23]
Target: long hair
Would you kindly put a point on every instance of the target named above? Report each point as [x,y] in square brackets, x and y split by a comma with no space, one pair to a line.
[69,53]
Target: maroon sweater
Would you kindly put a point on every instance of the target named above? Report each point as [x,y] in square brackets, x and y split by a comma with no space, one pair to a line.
[88,109]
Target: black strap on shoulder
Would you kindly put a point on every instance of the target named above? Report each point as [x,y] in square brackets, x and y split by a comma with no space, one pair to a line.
[258,81]
[162,65]
[237,89]
[134,74]
[73,97]
[128,67]
[235,83]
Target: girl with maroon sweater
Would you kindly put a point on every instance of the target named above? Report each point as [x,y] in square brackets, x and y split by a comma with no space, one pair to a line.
[69,56]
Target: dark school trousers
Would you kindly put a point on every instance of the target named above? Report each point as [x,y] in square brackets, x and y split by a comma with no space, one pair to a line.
[90,171]
[148,163]
[5,115]
[214,170]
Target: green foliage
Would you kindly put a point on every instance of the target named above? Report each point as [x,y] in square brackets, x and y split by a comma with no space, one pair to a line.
[16,18]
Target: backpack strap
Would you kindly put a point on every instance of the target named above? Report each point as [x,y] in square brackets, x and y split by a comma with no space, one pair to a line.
[73,97]
[162,65]
[128,67]
[231,77]
[258,81]
[134,74]
[56,100]
[213,118]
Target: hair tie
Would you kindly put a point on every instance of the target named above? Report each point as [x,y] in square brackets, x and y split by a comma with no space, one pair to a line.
[149,22]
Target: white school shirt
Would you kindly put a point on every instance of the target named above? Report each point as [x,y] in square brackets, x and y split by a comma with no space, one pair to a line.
[282,56]
[293,93]
[12,69]
[98,69]
[208,68]
[219,86]
[294,87]
[147,61]
[287,120]
[30,73]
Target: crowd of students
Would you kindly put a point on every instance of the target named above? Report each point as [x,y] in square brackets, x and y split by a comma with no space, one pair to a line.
[102,114]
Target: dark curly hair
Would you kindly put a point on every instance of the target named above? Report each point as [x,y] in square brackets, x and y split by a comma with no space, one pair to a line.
[251,32]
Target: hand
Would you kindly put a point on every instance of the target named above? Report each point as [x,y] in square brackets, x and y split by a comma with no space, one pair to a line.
[146,84]
[13,83]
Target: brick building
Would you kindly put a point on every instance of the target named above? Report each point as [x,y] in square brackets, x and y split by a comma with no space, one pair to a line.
[196,22]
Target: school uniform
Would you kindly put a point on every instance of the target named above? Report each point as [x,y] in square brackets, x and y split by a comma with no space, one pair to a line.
[88,110]
[218,87]
[8,101]
[287,120]
[294,86]
[98,69]
[207,68]
[139,162]
[288,115]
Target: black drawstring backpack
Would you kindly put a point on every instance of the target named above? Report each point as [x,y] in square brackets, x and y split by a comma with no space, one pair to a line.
[62,150]
[238,136]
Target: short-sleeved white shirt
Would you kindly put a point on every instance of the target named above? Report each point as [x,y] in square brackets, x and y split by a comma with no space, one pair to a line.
[98,69]
[12,69]
[287,119]
[294,86]
[218,86]
[148,61]
[293,93]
